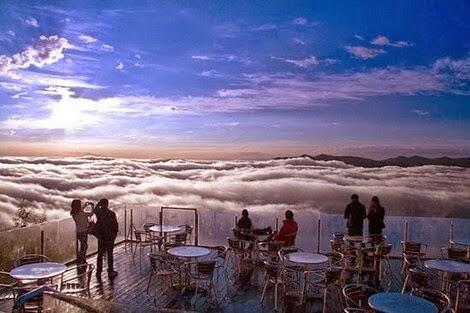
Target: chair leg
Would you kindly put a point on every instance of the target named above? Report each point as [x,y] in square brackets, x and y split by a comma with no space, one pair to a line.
[263,294]
[150,279]
[325,292]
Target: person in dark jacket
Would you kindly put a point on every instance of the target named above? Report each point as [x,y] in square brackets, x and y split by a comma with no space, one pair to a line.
[355,214]
[244,224]
[106,230]
[376,217]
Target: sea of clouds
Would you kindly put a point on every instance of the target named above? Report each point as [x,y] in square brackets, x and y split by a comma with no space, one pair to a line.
[47,185]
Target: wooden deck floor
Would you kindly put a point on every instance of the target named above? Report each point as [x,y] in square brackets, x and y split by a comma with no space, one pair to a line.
[129,288]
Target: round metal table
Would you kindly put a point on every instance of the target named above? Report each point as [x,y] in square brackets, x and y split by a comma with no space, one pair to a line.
[307,258]
[35,271]
[450,266]
[167,229]
[189,251]
[394,302]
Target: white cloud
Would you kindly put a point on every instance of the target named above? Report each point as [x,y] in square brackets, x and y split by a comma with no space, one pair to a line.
[299,41]
[359,37]
[31,21]
[421,112]
[459,69]
[364,52]
[119,66]
[87,39]
[300,21]
[384,41]
[200,57]
[304,63]
[264,27]
[210,73]
[50,184]
[48,50]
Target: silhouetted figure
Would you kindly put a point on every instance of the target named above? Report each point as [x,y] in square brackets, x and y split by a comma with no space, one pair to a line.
[376,217]
[288,230]
[245,222]
[355,213]
[80,218]
[106,230]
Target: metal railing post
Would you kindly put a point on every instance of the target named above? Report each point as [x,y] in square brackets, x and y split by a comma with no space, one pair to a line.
[236,221]
[405,231]
[451,235]
[196,226]
[277,224]
[42,241]
[161,221]
[318,235]
[125,229]
[131,228]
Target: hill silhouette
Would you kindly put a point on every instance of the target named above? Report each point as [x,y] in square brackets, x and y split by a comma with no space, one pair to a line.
[400,161]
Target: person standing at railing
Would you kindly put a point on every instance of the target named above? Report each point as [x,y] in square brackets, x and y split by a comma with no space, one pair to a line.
[106,230]
[376,217]
[355,214]
[80,217]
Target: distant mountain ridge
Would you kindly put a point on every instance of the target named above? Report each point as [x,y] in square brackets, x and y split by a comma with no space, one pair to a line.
[400,161]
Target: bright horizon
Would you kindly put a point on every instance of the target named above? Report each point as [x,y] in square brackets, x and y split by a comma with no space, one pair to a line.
[234,80]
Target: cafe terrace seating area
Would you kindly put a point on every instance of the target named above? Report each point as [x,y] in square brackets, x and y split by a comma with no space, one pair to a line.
[164,268]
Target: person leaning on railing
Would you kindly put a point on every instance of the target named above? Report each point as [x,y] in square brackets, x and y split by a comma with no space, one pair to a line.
[80,218]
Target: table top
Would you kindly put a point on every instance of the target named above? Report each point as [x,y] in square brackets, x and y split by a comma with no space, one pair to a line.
[363,239]
[446,265]
[394,302]
[462,241]
[166,228]
[307,258]
[38,271]
[189,251]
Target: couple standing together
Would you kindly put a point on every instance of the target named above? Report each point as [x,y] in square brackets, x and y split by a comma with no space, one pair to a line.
[105,230]
[355,214]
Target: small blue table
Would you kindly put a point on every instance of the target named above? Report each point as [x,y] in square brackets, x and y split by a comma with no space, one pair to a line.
[394,302]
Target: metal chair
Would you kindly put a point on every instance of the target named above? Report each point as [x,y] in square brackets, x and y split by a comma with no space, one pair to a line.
[416,278]
[332,279]
[413,253]
[7,286]
[188,229]
[462,299]
[30,259]
[203,273]
[354,310]
[76,281]
[141,242]
[30,298]
[454,253]
[162,265]
[236,252]
[356,295]
[440,299]
[274,275]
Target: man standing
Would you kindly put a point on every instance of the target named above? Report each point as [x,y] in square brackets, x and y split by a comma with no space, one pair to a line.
[106,230]
[355,213]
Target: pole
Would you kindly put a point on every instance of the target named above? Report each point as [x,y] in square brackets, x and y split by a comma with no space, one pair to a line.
[125,229]
[318,234]
[277,224]
[132,228]
[236,221]
[405,231]
[196,226]
[161,222]
[451,239]
[42,241]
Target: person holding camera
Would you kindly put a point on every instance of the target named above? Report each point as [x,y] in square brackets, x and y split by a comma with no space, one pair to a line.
[81,219]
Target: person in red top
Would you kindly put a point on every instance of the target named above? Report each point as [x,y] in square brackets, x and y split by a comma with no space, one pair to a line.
[288,231]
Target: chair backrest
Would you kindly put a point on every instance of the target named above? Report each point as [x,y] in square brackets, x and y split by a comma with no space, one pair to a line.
[337,259]
[6,282]
[147,226]
[31,258]
[206,267]
[80,275]
[336,244]
[181,238]
[356,295]
[354,310]
[338,236]
[138,235]
[333,275]
[233,243]
[274,246]
[384,249]
[456,253]
[411,247]
[377,239]
[221,251]
[440,299]
[273,270]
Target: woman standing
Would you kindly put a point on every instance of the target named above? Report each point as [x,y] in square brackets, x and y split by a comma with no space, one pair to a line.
[376,217]
[80,218]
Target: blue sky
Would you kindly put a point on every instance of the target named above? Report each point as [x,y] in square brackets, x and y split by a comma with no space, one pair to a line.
[235,78]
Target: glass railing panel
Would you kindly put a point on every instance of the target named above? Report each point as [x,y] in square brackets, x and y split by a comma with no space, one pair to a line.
[17,242]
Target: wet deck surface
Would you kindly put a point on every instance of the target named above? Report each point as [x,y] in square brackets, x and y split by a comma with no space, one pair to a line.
[129,288]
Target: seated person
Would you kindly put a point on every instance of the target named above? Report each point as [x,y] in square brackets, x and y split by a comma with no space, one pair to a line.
[288,231]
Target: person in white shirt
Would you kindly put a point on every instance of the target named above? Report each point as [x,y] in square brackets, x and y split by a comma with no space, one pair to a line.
[81,219]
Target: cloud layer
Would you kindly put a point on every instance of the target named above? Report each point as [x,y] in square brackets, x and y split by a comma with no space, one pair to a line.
[48,185]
